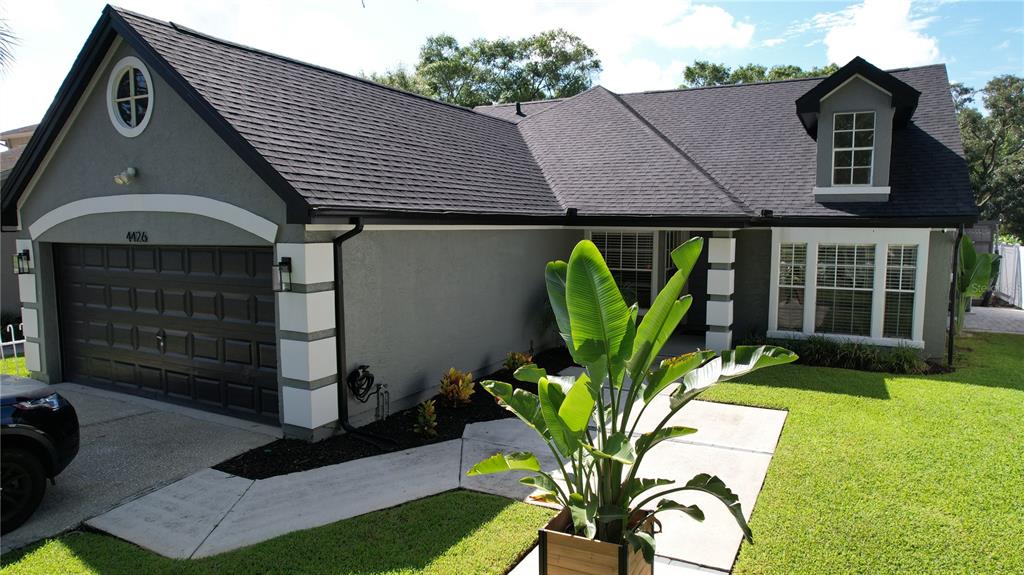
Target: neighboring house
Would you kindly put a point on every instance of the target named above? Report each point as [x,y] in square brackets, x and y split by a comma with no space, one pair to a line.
[417,231]
[14,142]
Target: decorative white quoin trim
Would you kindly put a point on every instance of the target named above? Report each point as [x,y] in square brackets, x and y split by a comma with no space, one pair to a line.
[721,250]
[310,408]
[115,74]
[170,203]
[882,238]
[32,362]
[311,263]
[306,312]
[309,360]
[27,288]
[30,322]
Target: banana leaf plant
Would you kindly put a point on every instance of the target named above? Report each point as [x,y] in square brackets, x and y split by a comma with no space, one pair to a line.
[589,422]
[977,273]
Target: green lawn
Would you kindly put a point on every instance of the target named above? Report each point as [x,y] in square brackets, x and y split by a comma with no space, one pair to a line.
[13,366]
[456,532]
[880,474]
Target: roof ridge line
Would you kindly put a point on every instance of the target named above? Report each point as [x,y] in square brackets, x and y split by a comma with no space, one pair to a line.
[676,148]
[765,82]
[524,102]
[202,35]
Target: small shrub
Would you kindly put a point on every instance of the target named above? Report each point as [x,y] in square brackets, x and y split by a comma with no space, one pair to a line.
[906,360]
[457,387]
[426,419]
[516,359]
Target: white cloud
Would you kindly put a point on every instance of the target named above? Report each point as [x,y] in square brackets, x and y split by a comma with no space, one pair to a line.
[770,42]
[1004,45]
[705,27]
[618,30]
[641,74]
[885,32]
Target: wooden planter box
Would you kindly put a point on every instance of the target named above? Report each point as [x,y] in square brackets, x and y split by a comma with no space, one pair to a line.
[562,553]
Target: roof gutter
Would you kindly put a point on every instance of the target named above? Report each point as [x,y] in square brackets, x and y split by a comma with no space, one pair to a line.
[339,330]
[573,219]
[953,295]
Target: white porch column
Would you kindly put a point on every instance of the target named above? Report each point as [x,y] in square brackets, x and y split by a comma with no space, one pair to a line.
[721,285]
[307,341]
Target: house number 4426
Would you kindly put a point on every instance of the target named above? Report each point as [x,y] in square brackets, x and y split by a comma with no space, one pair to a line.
[138,237]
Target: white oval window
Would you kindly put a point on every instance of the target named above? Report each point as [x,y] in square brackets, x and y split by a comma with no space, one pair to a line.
[130,96]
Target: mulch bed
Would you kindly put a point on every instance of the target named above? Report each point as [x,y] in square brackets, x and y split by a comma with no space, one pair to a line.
[291,455]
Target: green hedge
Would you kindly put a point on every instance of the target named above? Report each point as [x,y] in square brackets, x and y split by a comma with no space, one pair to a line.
[826,352]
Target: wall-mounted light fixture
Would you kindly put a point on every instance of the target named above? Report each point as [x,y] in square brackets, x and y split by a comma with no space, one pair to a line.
[22,262]
[126,177]
[282,275]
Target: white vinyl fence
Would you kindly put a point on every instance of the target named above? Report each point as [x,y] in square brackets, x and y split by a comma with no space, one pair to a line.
[1010,283]
[12,348]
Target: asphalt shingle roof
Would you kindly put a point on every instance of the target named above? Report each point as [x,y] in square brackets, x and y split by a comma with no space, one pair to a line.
[750,138]
[341,141]
[346,143]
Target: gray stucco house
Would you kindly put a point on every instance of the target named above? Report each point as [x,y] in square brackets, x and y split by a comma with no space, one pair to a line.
[175,172]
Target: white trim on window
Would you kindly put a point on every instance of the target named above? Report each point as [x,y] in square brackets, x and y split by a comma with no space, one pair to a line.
[123,65]
[655,247]
[853,148]
[882,239]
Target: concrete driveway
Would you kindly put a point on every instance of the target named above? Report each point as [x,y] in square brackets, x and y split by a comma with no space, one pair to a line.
[131,446]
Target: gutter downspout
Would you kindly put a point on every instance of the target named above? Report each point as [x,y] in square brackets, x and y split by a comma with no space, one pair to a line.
[953,295]
[339,323]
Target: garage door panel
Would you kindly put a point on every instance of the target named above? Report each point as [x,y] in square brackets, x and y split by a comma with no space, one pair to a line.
[143,260]
[189,325]
[178,385]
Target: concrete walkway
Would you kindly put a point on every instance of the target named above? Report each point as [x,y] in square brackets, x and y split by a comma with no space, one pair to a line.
[131,446]
[211,512]
[995,319]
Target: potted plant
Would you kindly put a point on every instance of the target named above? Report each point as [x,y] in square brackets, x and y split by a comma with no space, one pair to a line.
[589,422]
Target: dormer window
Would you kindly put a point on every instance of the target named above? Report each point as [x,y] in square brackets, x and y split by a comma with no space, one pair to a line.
[853,140]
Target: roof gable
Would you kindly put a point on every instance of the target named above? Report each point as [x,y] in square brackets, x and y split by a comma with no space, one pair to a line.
[904,97]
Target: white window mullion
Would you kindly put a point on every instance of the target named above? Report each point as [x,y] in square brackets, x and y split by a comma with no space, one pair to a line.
[878,300]
[811,292]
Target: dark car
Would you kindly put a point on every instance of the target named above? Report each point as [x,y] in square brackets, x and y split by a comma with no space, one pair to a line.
[38,439]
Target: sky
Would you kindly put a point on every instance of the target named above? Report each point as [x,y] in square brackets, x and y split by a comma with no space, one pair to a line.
[643,45]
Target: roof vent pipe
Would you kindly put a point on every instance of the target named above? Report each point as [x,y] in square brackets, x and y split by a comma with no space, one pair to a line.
[519,109]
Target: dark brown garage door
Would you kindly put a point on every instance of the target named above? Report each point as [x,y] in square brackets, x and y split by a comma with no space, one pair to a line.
[190,325]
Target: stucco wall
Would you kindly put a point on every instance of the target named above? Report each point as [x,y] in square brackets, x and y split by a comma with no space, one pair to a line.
[753,283]
[856,96]
[178,153]
[936,316]
[419,302]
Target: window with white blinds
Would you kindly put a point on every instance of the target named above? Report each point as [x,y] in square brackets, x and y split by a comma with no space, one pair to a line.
[792,278]
[630,257]
[900,280]
[846,276]
[672,241]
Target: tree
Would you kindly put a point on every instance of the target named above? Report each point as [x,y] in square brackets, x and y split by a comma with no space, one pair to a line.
[704,73]
[994,147]
[400,78]
[552,64]
[7,43]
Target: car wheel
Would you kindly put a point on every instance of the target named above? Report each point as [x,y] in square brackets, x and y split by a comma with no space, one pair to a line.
[22,485]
